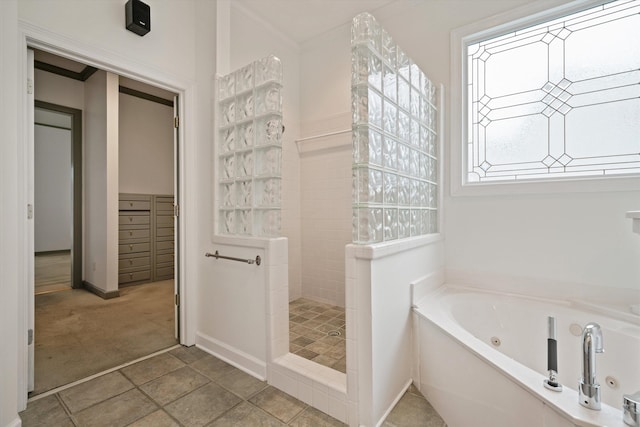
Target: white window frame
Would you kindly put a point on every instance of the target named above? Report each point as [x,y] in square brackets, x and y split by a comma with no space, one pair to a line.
[529,15]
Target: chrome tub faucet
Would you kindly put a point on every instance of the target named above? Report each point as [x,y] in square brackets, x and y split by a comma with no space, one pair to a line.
[589,389]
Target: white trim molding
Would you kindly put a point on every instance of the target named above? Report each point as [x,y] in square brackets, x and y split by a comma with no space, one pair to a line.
[36,37]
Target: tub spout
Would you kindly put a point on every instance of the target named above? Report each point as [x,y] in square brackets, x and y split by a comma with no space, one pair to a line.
[589,389]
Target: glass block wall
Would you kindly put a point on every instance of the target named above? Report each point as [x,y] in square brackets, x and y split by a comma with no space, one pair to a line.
[395,145]
[249,149]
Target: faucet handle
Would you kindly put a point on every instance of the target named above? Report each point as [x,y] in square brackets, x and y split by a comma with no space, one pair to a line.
[631,409]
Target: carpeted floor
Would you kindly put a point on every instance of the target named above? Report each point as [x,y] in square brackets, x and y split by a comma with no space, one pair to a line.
[79,334]
[52,271]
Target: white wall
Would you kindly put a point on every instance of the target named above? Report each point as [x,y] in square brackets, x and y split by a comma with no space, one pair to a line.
[325,73]
[11,222]
[579,238]
[165,55]
[101,181]
[59,90]
[145,146]
[52,198]
[325,199]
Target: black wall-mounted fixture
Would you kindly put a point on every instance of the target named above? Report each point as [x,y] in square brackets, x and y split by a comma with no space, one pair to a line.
[138,17]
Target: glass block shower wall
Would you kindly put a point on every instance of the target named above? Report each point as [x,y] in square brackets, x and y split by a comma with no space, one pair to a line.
[249,149]
[395,145]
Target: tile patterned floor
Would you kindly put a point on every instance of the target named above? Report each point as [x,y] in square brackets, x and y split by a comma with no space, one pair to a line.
[188,387]
[312,333]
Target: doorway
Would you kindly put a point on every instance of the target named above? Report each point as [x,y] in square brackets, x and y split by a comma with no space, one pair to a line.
[57,197]
[83,332]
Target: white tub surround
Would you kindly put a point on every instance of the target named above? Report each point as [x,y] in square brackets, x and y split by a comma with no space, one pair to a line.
[503,385]
[379,323]
[635,218]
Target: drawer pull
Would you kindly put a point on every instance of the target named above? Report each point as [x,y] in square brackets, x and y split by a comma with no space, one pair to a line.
[130,262]
[130,219]
[131,233]
[130,247]
[131,204]
[130,275]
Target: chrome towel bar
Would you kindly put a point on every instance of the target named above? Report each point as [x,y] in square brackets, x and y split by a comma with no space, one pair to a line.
[216,255]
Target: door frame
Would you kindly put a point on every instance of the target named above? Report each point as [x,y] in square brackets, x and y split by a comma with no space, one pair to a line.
[76,179]
[32,36]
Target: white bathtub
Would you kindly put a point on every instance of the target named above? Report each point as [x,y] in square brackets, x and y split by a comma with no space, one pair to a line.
[471,382]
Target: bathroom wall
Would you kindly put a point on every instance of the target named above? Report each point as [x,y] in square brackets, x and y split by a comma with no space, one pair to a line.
[575,238]
[578,238]
[325,200]
[12,361]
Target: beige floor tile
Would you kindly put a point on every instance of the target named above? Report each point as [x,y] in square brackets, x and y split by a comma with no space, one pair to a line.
[118,411]
[173,385]
[45,412]
[307,354]
[95,391]
[340,365]
[325,360]
[413,410]
[212,367]
[156,419]
[311,417]
[278,403]
[188,354]
[202,406]
[319,347]
[337,351]
[246,414]
[150,369]
[241,383]
[302,341]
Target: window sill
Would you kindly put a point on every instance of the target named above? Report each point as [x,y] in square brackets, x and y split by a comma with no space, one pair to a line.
[576,185]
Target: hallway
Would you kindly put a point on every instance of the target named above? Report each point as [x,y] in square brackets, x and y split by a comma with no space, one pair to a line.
[188,387]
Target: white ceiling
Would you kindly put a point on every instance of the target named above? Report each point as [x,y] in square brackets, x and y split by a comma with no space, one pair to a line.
[302,20]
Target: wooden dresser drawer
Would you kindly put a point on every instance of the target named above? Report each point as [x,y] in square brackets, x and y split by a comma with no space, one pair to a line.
[134,218]
[134,205]
[134,276]
[134,247]
[126,265]
[133,236]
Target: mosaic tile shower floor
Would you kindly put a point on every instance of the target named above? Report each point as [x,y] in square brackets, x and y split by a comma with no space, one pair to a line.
[317,333]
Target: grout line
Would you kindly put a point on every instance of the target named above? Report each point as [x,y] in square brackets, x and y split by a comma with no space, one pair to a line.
[99,374]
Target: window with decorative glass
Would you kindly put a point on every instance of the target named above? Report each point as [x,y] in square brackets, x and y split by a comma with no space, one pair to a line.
[560,99]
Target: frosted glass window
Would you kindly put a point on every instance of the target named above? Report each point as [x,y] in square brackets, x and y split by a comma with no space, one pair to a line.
[249,149]
[395,151]
[559,99]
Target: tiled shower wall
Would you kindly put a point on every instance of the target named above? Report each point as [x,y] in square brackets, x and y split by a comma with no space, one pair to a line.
[325,201]
[249,149]
[395,150]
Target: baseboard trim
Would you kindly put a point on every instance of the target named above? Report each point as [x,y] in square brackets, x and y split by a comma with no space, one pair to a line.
[96,290]
[241,360]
